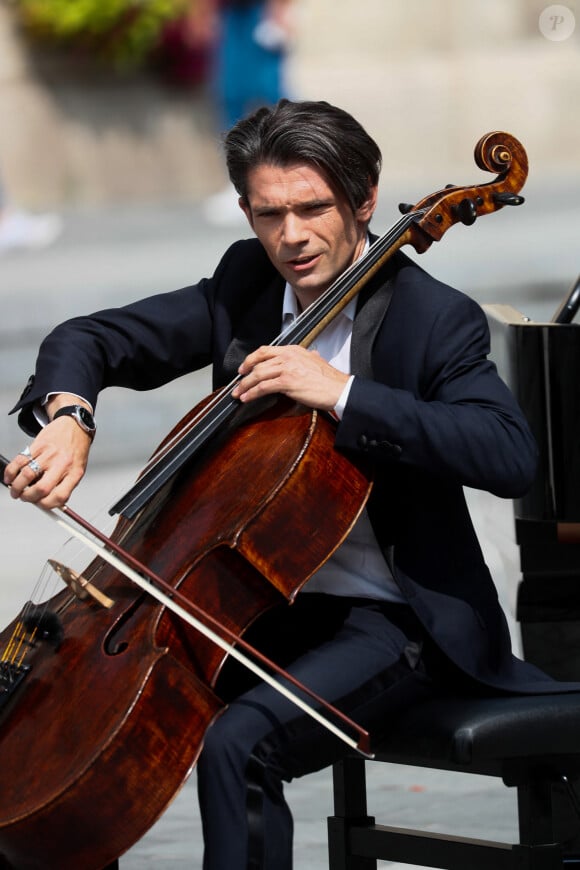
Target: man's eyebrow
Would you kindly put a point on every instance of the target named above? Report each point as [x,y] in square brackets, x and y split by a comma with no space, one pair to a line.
[265,207]
[309,203]
[323,200]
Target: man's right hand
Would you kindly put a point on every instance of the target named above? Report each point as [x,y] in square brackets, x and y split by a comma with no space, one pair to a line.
[48,470]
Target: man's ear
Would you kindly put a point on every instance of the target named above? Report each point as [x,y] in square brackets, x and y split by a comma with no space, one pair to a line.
[246,210]
[365,212]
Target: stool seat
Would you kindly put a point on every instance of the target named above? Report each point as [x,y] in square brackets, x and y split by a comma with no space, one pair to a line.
[480,734]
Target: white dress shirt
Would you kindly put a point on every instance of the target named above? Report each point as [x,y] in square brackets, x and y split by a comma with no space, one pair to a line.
[357,568]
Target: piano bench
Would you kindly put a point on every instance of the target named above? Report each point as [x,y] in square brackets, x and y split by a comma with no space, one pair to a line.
[531,742]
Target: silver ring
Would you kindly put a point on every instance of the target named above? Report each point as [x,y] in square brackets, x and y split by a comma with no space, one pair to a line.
[26,451]
[34,466]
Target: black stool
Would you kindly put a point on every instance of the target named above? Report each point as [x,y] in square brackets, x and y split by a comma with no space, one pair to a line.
[532,743]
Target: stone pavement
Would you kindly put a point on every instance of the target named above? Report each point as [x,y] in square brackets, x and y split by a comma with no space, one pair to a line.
[526,257]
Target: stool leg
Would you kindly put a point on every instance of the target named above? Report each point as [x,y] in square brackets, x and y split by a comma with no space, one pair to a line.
[350,808]
[539,846]
[535,813]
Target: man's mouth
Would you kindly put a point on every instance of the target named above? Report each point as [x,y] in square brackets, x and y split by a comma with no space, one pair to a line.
[300,264]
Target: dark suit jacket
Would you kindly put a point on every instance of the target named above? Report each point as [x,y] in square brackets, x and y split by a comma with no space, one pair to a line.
[426,407]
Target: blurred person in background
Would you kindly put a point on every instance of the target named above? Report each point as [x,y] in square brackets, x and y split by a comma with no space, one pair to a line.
[253,38]
[253,41]
[21,230]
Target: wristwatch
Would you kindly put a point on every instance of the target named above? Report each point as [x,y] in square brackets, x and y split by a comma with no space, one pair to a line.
[83,417]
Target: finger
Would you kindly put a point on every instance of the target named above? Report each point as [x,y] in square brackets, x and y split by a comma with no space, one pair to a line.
[11,471]
[281,354]
[51,490]
[264,378]
[25,469]
[27,463]
[252,360]
[25,478]
[32,478]
[56,498]
[36,468]
[251,389]
[16,464]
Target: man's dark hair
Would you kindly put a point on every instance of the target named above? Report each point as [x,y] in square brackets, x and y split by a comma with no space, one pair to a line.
[316,133]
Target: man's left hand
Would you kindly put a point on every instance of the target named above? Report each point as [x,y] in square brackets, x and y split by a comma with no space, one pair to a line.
[300,374]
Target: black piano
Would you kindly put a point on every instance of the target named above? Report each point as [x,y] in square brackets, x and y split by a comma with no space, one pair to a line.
[541,364]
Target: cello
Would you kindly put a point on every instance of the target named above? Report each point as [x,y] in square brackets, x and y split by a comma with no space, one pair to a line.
[120,682]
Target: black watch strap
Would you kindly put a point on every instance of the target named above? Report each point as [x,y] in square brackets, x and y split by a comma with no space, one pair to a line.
[81,415]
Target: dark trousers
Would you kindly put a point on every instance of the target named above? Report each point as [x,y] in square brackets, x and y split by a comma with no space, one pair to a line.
[362,656]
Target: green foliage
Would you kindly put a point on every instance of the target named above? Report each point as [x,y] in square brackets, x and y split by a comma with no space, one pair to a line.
[122,32]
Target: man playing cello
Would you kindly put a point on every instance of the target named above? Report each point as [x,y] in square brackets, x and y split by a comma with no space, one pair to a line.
[406,604]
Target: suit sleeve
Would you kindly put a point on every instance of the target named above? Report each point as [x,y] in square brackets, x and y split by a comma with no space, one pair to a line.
[150,342]
[461,422]
[142,346]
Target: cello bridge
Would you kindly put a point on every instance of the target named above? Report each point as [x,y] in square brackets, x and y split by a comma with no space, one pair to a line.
[79,585]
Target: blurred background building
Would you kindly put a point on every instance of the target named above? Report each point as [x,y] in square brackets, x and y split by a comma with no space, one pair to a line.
[426,78]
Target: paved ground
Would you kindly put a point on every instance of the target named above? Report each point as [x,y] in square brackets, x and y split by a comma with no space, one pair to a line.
[527,259]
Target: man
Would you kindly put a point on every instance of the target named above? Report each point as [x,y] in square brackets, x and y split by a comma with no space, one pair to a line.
[406,604]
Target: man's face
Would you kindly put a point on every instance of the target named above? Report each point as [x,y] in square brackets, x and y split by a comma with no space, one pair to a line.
[307,229]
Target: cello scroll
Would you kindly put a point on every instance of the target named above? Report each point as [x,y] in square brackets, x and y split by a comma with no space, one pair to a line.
[495,152]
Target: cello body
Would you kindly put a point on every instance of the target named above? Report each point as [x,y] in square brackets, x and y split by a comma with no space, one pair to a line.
[111,721]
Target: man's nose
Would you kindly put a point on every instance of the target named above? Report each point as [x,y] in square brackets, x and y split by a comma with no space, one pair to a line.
[293,229]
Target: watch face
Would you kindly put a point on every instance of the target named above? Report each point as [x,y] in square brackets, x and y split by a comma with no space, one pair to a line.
[86,417]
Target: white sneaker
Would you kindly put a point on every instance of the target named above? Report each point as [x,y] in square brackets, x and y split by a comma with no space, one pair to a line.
[223,210]
[18,229]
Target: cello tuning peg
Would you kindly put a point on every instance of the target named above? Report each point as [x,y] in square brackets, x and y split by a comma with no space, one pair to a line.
[405,207]
[508,198]
[466,211]
[447,186]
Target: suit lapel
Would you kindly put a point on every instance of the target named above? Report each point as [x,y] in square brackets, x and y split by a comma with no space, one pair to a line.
[373,302]
[261,324]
